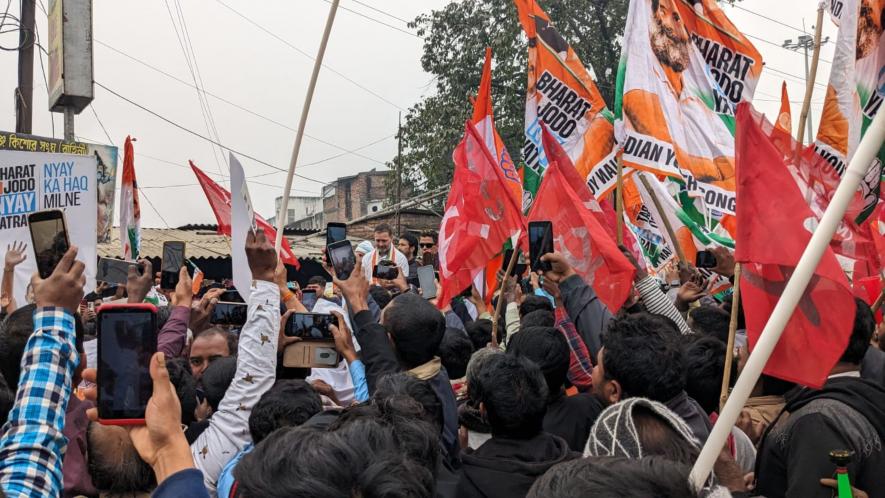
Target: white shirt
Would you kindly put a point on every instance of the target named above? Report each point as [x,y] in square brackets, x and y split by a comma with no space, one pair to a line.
[398,257]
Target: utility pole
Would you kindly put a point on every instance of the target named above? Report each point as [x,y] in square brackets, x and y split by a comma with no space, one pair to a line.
[24,94]
[805,42]
[399,171]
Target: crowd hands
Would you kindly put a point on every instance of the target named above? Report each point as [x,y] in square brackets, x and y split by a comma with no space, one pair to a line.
[540,391]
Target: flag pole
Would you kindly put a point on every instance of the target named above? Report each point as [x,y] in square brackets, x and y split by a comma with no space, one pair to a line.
[732,330]
[619,199]
[820,241]
[510,265]
[666,221]
[299,135]
[812,75]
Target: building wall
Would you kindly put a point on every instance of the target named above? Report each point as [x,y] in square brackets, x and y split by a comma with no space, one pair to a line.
[299,207]
[410,221]
[353,197]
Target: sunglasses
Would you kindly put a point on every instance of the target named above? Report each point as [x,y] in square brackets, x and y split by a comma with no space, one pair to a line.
[427,246]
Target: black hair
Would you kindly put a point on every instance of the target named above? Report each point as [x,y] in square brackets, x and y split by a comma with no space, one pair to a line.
[532,303]
[704,366]
[288,403]
[115,467]
[454,352]
[432,234]
[381,296]
[514,394]
[537,318]
[229,337]
[615,477]
[413,242]
[163,313]
[480,333]
[403,395]
[710,320]
[14,333]
[416,328]
[217,378]
[772,386]
[741,319]
[185,387]
[658,437]
[383,227]
[548,348]
[317,280]
[642,352]
[7,401]
[861,333]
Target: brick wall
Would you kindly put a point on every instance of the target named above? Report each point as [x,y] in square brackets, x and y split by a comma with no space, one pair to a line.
[410,221]
[353,195]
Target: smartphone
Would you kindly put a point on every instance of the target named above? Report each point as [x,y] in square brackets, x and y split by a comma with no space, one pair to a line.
[427,282]
[308,298]
[115,271]
[519,268]
[335,232]
[127,338]
[467,293]
[231,296]
[705,259]
[385,270]
[310,325]
[540,243]
[49,238]
[173,258]
[228,314]
[342,258]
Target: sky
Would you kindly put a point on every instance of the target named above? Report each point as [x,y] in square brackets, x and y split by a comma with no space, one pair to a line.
[256,63]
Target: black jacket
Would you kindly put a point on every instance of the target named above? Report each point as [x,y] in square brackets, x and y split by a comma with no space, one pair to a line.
[847,414]
[873,366]
[571,418]
[507,468]
[586,311]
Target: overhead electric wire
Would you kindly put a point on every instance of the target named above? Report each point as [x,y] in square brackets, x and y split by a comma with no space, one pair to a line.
[388,14]
[375,20]
[768,18]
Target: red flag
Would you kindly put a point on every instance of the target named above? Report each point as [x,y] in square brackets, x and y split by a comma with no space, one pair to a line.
[784,117]
[579,231]
[774,227]
[219,201]
[480,216]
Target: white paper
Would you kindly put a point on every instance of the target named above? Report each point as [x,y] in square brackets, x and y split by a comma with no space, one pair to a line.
[242,219]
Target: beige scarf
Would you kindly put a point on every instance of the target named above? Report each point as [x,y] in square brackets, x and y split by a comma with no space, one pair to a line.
[428,370]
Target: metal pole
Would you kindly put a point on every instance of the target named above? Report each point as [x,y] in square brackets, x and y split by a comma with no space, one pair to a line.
[24,93]
[69,124]
[399,171]
[308,98]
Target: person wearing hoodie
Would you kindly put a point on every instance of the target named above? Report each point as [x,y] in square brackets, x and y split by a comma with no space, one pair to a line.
[848,413]
[512,394]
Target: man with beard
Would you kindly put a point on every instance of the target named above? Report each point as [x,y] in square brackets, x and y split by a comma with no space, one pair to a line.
[869,27]
[664,104]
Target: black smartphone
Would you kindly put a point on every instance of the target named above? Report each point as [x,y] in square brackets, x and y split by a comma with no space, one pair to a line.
[385,270]
[49,238]
[127,338]
[467,293]
[310,325]
[308,298]
[519,268]
[427,282]
[335,232]
[540,243]
[173,258]
[342,258]
[705,259]
[231,296]
[228,314]
[115,271]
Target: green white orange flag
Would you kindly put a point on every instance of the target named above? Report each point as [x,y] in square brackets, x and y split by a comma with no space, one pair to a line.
[130,212]
[854,95]
[562,93]
[683,69]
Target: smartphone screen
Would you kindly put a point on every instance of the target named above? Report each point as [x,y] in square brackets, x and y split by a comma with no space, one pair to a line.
[308,298]
[519,268]
[385,270]
[173,258]
[310,325]
[427,282]
[127,338]
[231,296]
[335,232]
[49,237]
[228,314]
[705,259]
[115,271]
[343,259]
[540,243]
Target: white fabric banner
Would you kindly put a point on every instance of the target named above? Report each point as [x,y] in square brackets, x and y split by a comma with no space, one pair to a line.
[242,218]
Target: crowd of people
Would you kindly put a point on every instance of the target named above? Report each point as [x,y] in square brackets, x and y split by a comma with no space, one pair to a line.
[557,396]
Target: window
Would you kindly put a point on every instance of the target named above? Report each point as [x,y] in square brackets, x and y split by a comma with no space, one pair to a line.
[291,215]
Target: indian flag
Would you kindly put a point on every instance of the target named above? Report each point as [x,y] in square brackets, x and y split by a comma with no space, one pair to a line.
[130,212]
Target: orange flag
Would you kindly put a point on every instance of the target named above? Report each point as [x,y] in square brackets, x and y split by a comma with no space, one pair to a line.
[784,118]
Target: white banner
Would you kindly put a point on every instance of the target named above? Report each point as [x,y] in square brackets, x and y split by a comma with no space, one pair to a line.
[242,218]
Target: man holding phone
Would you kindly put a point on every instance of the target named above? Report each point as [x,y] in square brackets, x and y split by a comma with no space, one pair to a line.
[384,251]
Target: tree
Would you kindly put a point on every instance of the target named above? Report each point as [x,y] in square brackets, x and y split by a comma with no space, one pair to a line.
[455,39]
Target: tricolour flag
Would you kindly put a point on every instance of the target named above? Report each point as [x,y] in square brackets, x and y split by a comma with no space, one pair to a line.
[818,331]
[130,211]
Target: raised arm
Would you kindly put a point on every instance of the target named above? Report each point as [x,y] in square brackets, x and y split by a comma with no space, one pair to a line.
[173,336]
[15,254]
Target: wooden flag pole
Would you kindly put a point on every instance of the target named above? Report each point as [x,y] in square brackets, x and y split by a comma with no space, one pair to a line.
[666,221]
[812,74]
[299,135]
[878,302]
[732,330]
[510,265]
[619,200]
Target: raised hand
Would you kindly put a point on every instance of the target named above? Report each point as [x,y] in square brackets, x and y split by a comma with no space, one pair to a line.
[15,254]
[261,256]
[138,285]
[64,287]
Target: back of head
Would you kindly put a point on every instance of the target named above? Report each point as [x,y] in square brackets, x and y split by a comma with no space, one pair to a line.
[454,352]
[534,303]
[480,333]
[114,465]
[547,348]
[416,328]
[402,395]
[217,378]
[477,359]
[381,296]
[288,403]
[710,320]
[642,352]
[16,329]
[317,280]
[514,394]
[615,477]
[704,365]
[537,318]
[185,387]
[864,327]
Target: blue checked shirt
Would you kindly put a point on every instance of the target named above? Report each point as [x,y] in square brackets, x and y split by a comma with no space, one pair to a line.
[32,446]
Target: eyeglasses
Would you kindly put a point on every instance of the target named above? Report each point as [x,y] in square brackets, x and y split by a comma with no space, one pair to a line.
[427,245]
